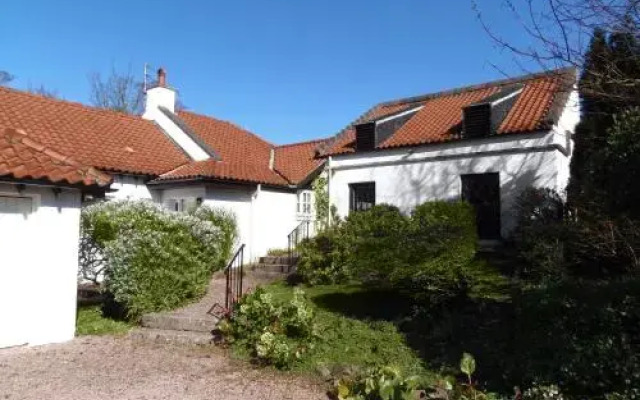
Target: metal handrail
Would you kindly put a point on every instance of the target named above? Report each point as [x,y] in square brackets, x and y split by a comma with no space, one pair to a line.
[233,287]
[233,291]
[294,238]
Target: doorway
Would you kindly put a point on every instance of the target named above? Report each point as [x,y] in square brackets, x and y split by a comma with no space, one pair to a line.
[482,191]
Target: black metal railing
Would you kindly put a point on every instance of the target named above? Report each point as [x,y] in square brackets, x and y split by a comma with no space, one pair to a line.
[233,273]
[301,232]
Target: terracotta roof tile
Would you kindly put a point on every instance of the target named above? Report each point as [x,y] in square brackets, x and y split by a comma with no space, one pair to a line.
[441,117]
[105,139]
[23,158]
[221,170]
[297,160]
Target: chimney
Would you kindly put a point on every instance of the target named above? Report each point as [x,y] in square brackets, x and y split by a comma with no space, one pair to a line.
[159,96]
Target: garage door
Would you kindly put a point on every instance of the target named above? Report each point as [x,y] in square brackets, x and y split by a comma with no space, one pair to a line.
[15,213]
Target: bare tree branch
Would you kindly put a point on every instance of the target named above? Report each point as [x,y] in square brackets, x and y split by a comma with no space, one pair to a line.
[119,92]
[556,31]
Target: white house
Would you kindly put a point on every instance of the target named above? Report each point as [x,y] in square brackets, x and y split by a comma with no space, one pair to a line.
[40,200]
[483,143]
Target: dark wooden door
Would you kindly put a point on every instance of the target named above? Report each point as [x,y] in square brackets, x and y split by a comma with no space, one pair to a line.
[483,192]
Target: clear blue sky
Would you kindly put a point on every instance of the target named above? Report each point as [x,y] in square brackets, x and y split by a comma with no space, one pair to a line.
[288,70]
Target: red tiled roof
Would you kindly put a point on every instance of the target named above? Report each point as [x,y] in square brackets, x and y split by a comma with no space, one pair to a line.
[441,115]
[297,160]
[25,159]
[222,170]
[105,139]
[231,143]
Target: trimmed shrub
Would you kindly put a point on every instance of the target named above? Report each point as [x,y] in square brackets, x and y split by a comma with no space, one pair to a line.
[273,333]
[154,259]
[376,242]
[322,259]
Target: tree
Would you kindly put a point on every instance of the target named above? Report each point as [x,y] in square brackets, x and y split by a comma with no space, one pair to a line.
[5,78]
[119,92]
[556,32]
[587,186]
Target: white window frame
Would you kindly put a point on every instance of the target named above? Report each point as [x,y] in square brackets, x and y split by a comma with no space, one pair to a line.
[180,204]
[304,203]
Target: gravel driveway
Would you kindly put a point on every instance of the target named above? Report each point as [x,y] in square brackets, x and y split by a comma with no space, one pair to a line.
[118,368]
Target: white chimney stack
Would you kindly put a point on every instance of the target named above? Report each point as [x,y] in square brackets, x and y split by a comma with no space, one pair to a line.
[159,96]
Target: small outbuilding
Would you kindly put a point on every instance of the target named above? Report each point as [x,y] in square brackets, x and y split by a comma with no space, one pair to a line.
[40,200]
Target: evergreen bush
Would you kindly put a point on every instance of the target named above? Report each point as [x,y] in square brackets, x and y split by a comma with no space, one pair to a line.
[155,259]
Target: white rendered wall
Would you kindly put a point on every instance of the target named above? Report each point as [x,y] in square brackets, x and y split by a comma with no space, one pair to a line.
[274,217]
[39,266]
[236,199]
[130,187]
[407,178]
[265,216]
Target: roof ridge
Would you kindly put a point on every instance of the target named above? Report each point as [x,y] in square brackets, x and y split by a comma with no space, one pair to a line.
[478,86]
[72,103]
[302,143]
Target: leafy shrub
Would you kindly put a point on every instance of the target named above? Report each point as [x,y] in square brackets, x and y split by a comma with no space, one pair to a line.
[278,252]
[541,234]
[583,336]
[154,259]
[376,242]
[601,247]
[274,333]
[388,384]
[384,383]
[225,220]
[322,259]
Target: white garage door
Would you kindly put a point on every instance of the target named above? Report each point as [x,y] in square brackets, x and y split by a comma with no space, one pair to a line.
[14,243]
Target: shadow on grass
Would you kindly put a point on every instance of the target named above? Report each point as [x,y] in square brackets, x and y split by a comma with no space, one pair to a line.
[584,336]
[365,304]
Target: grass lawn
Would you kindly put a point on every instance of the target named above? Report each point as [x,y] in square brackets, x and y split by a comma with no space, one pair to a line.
[91,322]
[357,328]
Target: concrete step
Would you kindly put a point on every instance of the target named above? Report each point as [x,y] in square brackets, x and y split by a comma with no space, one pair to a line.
[162,336]
[280,260]
[205,323]
[281,268]
[259,273]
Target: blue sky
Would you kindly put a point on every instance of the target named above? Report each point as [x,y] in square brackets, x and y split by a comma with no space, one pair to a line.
[286,70]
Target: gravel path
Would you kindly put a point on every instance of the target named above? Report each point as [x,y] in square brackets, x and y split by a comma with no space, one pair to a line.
[118,368]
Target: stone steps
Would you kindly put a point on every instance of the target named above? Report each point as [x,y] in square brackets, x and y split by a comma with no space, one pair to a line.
[205,323]
[163,336]
[277,268]
[280,260]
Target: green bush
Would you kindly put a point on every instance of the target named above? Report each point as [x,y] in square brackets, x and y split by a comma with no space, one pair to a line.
[376,242]
[273,332]
[582,336]
[155,259]
[225,220]
[322,259]
[541,235]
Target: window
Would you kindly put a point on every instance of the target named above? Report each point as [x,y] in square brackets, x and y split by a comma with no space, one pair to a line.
[304,202]
[182,205]
[362,196]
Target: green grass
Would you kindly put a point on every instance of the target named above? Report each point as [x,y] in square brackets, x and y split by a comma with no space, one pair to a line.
[357,329]
[90,321]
